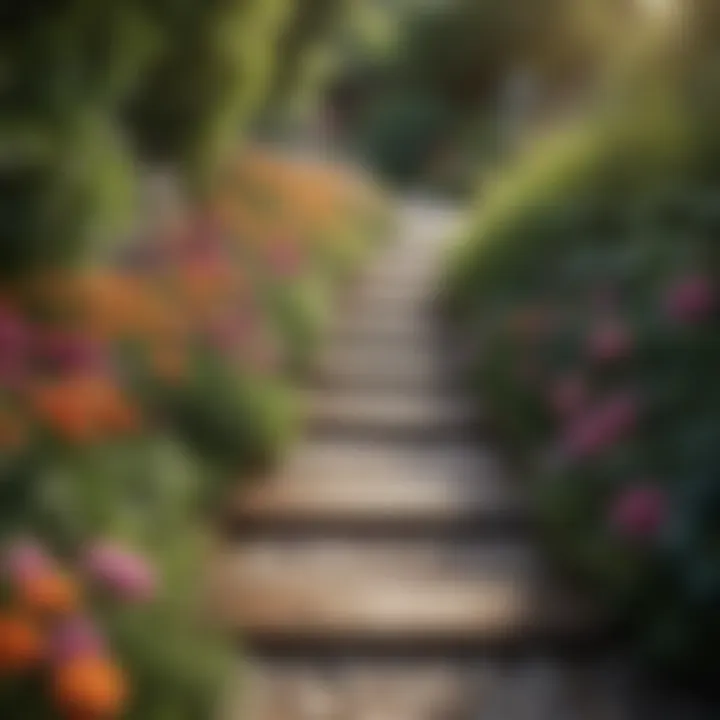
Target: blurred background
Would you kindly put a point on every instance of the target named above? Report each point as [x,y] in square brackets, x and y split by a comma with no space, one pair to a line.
[189,189]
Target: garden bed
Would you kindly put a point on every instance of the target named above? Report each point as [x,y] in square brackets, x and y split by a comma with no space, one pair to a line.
[591,279]
[134,394]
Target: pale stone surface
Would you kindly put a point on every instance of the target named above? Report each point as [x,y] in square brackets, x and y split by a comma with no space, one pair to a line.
[418,465]
[392,366]
[364,481]
[338,591]
[432,414]
[436,690]
[384,327]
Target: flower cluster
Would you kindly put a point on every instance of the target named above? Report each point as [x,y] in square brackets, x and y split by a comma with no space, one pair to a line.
[196,285]
[176,347]
[593,399]
[618,392]
[60,379]
[47,627]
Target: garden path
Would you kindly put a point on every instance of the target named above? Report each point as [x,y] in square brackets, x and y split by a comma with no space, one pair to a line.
[389,572]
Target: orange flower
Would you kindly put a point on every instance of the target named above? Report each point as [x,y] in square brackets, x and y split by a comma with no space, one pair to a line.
[21,644]
[169,363]
[123,419]
[119,306]
[110,407]
[64,409]
[48,593]
[83,409]
[204,284]
[92,688]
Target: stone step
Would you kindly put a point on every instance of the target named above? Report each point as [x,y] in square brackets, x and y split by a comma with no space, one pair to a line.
[351,688]
[397,296]
[351,487]
[332,593]
[409,276]
[409,259]
[384,311]
[392,416]
[391,329]
[374,310]
[393,366]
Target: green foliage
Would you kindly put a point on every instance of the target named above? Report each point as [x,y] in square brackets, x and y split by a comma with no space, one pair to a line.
[401,134]
[301,309]
[235,421]
[63,169]
[602,222]
[179,663]
[213,66]
[91,93]
[308,24]
[569,184]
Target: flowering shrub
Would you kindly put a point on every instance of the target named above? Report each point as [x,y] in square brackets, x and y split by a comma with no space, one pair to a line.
[302,227]
[599,368]
[133,392]
[51,647]
[193,327]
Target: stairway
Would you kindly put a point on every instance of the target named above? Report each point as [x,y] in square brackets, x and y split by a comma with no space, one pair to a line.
[388,571]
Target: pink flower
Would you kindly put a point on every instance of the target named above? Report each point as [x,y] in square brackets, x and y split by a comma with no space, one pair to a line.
[639,512]
[230,334]
[71,352]
[14,344]
[691,299]
[124,573]
[569,396]
[14,334]
[609,342]
[284,258]
[77,636]
[25,559]
[602,426]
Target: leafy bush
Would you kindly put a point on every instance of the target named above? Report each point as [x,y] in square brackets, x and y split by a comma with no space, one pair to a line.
[134,392]
[213,64]
[399,136]
[592,280]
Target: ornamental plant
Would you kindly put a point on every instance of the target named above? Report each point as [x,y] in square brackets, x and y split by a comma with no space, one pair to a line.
[133,391]
[598,310]
[51,649]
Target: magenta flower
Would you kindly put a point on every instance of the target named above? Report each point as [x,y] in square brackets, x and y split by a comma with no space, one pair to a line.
[691,300]
[639,512]
[14,344]
[610,341]
[125,574]
[71,352]
[26,559]
[75,637]
[569,396]
[14,334]
[601,427]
